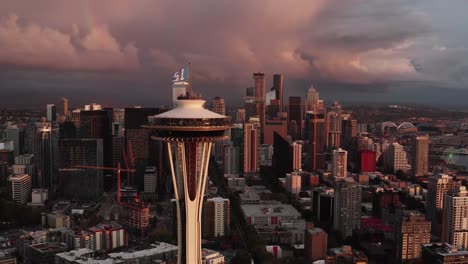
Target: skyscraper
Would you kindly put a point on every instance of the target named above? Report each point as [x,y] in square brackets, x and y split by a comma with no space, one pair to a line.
[315,244]
[97,124]
[45,149]
[189,131]
[259,78]
[278,88]
[295,113]
[51,113]
[347,207]
[420,156]
[251,143]
[413,231]
[312,99]
[455,217]
[297,155]
[339,163]
[315,138]
[81,184]
[334,118]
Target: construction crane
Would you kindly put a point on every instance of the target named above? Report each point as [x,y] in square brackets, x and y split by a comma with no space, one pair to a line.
[118,169]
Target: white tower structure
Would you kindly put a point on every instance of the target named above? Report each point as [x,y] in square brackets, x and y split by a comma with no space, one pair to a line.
[189,131]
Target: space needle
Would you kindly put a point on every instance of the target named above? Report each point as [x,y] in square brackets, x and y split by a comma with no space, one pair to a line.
[189,131]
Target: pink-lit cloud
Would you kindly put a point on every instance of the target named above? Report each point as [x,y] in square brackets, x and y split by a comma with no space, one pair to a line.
[40,46]
[350,41]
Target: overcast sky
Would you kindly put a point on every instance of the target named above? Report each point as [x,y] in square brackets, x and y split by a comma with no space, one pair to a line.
[123,52]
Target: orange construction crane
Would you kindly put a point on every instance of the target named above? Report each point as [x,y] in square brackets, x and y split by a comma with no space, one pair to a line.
[118,169]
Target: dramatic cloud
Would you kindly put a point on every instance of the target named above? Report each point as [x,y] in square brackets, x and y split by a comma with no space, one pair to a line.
[37,46]
[375,44]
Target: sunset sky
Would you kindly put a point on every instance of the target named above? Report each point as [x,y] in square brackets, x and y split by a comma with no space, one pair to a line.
[119,52]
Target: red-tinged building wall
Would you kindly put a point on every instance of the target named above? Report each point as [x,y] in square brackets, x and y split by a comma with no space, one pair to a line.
[368,160]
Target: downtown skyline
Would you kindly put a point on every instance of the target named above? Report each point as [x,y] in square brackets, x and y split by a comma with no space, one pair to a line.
[358,51]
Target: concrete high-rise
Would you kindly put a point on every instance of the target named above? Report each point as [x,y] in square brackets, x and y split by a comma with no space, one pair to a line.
[455,217]
[347,207]
[189,131]
[411,232]
[420,157]
[216,217]
[339,163]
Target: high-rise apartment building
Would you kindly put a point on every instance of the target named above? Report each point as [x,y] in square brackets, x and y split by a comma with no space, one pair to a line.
[437,186]
[411,232]
[251,143]
[339,163]
[395,158]
[455,217]
[216,217]
[21,188]
[347,207]
[420,158]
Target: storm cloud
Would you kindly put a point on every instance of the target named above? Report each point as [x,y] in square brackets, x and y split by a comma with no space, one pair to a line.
[353,42]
